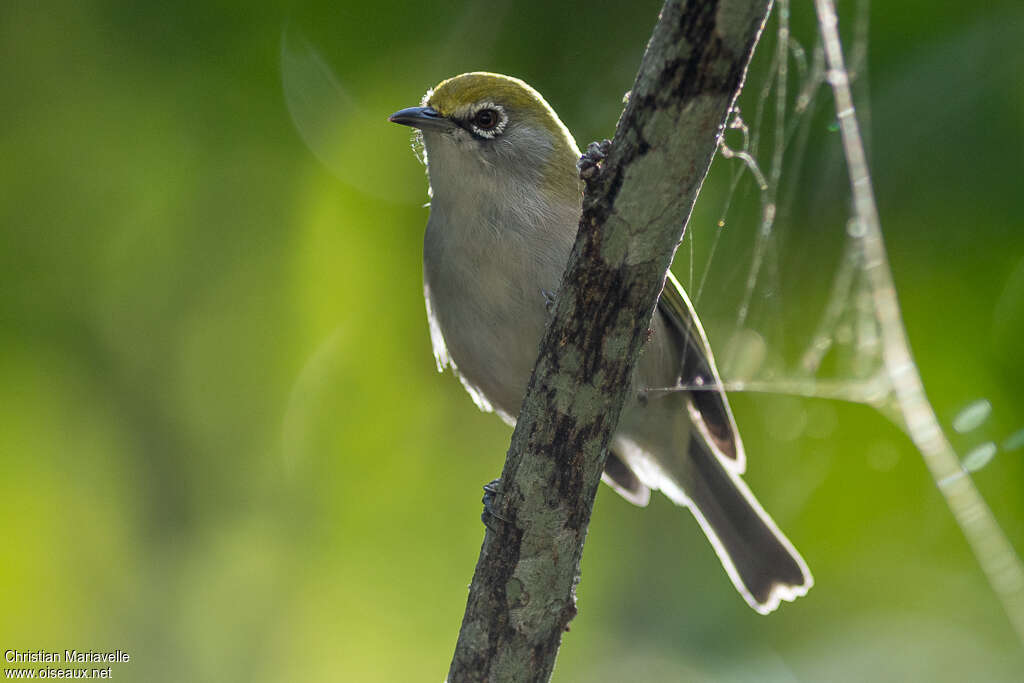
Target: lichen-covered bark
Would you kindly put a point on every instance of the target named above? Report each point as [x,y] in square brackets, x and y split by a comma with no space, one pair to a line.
[635,209]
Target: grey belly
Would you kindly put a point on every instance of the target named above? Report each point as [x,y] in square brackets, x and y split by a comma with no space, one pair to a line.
[494,347]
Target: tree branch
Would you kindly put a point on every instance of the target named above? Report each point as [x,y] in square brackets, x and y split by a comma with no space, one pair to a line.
[635,207]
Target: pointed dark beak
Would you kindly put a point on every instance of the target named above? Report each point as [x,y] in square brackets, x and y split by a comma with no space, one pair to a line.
[423,118]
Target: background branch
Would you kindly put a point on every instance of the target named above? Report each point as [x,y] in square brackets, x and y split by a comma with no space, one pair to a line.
[634,212]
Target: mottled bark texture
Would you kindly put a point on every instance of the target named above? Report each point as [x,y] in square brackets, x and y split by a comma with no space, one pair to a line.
[635,208]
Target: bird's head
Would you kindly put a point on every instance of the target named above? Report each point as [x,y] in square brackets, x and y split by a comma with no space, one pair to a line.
[488,126]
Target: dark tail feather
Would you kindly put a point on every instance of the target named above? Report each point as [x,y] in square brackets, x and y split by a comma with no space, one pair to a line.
[761,562]
[624,481]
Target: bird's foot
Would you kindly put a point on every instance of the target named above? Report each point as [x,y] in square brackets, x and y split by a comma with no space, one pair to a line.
[491,489]
[589,165]
[549,301]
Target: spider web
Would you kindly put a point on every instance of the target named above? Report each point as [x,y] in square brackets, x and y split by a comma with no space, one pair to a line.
[856,348]
[748,261]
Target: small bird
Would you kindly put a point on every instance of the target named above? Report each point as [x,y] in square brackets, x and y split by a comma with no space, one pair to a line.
[505,205]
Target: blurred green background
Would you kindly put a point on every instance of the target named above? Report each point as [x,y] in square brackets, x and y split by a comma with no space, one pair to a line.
[226,450]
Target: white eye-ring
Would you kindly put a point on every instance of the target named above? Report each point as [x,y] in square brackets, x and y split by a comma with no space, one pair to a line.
[488,120]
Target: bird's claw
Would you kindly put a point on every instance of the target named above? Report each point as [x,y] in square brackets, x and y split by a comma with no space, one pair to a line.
[549,301]
[589,165]
[491,489]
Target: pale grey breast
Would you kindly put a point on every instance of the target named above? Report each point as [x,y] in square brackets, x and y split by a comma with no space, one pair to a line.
[486,287]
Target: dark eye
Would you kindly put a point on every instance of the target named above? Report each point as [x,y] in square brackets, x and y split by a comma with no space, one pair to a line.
[486,119]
